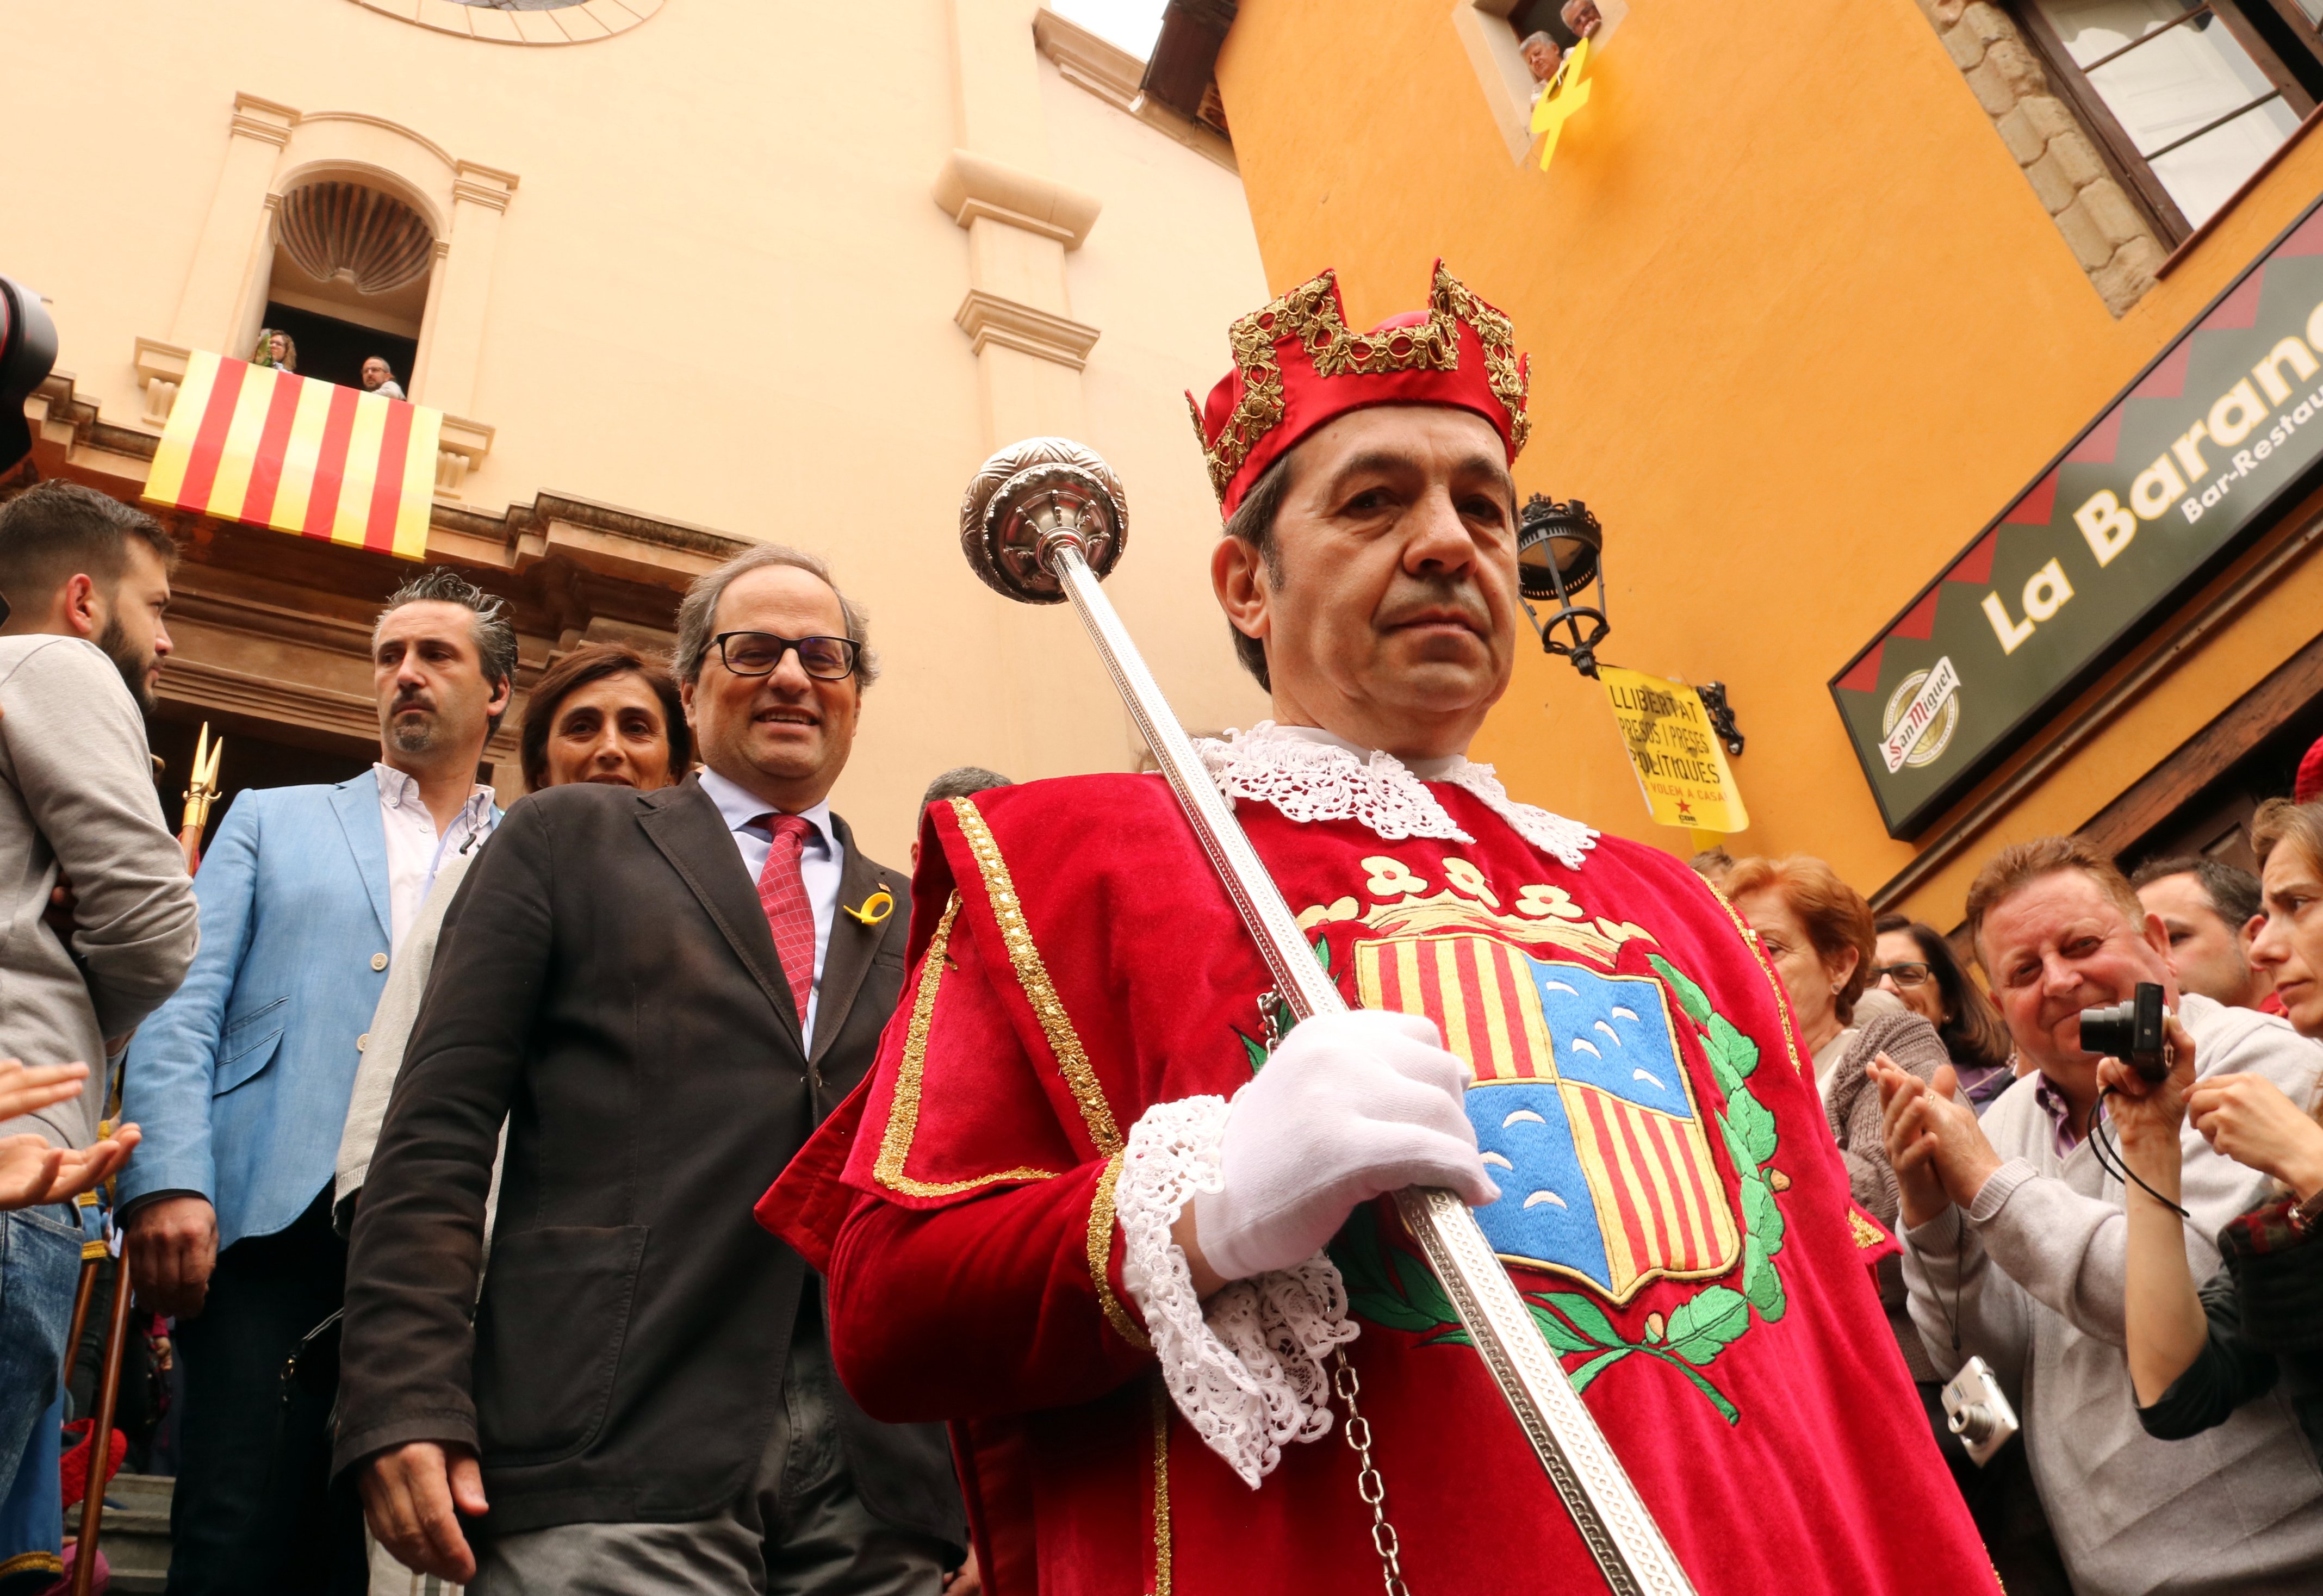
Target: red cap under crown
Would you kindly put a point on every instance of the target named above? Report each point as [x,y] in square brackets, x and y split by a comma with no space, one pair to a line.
[1298,364]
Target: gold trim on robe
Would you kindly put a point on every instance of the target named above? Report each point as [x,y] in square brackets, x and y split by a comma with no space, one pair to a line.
[1100,1256]
[1162,1548]
[1032,975]
[903,1115]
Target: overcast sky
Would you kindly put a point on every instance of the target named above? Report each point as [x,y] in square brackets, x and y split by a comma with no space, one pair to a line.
[1130,24]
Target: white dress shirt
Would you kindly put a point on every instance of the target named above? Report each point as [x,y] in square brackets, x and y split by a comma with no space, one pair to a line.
[415,849]
[820,863]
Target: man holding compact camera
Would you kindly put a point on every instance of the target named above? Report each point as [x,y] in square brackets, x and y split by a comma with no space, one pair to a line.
[2015,1246]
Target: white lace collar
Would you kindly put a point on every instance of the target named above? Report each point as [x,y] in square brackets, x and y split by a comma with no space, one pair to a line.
[1310,775]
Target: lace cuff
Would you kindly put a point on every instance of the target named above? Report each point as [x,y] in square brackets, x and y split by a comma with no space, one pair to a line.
[1248,1371]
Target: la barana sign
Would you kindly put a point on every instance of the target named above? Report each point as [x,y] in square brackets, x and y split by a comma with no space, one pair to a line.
[2203,451]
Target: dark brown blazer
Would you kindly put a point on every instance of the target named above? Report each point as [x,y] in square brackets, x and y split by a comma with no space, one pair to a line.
[606,982]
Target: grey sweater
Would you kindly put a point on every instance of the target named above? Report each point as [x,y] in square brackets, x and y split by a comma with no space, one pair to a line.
[1851,1104]
[2037,1274]
[77,794]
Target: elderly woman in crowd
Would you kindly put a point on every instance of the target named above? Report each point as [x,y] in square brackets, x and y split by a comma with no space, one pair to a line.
[602,713]
[1817,932]
[1917,964]
[2196,1357]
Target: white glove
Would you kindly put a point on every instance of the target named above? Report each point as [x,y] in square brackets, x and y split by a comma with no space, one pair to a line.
[1349,1106]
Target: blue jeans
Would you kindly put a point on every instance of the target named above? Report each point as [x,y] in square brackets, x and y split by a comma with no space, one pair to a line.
[31,1515]
[40,1267]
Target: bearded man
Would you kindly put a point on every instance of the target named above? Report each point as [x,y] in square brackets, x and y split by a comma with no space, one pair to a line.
[1098,1212]
[242,1083]
[85,580]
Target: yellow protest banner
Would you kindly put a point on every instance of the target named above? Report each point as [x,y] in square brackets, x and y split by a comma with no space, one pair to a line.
[1681,766]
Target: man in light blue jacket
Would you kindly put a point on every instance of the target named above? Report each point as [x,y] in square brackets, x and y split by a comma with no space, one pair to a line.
[241,1080]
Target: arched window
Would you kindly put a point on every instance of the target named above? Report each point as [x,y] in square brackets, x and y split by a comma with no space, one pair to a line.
[349,281]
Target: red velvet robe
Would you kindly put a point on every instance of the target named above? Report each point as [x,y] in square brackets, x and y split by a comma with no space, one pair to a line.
[1671,1206]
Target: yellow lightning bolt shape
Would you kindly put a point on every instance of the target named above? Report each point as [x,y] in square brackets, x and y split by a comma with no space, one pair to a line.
[1566,95]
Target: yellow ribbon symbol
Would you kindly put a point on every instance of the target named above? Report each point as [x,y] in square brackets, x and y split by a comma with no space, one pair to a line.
[1566,95]
[876,908]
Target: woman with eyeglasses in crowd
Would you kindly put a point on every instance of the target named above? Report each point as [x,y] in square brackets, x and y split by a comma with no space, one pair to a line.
[2196,1357]
[1917,964]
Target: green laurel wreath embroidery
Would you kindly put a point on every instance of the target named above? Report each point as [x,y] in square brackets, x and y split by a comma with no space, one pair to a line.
[1391,1287]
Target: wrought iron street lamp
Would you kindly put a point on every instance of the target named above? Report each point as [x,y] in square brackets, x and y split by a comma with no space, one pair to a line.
[1560,553]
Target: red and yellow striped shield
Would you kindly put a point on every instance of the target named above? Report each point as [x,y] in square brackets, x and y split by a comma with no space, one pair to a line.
[1583,1107]
[269,448]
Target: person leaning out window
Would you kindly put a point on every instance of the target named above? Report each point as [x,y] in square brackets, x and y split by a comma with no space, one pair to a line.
[1917,964]
[2258,1324]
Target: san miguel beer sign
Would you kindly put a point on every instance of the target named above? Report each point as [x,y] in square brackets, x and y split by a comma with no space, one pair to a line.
[2210,444]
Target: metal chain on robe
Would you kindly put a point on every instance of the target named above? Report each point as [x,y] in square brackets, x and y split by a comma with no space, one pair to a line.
[1368,1483]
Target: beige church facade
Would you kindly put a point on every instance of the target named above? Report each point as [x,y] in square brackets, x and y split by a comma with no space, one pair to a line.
[680,276]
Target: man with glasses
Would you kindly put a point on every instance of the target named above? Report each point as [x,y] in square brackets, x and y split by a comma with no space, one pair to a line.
[662,992]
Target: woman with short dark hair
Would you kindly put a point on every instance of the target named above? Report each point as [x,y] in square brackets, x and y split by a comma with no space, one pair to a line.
[1917,964]
[605,713]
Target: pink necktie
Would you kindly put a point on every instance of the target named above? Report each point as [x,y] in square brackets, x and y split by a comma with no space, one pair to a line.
[782,893]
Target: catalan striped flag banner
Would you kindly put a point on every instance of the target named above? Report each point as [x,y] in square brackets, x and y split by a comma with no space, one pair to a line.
[1583,1107]
[270,448]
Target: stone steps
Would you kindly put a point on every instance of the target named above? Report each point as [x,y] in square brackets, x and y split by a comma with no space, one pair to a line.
[135,1531]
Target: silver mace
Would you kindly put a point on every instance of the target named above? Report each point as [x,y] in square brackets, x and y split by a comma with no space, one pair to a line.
[1045,521]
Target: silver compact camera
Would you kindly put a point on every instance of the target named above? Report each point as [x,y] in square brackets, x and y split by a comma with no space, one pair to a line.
[1978,1411]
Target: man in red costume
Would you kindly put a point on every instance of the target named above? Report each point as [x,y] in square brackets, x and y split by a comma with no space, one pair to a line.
[1096,1208]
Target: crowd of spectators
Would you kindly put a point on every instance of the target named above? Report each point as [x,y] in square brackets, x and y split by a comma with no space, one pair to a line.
[2167,1431]
[386,1010]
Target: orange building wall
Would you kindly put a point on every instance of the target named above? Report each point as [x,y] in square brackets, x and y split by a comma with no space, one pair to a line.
[1799,329]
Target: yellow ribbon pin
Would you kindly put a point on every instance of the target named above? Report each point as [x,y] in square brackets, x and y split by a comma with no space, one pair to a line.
[876,908]
[1566,95]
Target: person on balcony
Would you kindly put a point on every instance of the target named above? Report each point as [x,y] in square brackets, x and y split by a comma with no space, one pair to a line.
[378,377]
[276,349]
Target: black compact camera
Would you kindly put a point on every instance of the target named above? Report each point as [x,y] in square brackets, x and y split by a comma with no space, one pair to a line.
[2131,1032]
